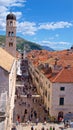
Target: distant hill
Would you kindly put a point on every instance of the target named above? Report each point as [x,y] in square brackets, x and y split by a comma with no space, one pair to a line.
[2,40]
[47,48]
[21,43]
[25,44]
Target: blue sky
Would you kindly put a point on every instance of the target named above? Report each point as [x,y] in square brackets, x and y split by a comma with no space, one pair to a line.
[46,22]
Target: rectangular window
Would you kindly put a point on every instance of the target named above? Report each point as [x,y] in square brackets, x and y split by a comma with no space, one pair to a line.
[11,23]
[61,101]
[62,88]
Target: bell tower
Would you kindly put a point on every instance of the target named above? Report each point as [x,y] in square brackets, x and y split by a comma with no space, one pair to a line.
[11,34]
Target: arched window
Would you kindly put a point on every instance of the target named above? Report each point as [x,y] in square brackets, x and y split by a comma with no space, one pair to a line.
[9,34]
[12,34]
[10,44]
[11,23]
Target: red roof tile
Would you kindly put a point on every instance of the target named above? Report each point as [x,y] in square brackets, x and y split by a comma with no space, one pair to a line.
[64,76]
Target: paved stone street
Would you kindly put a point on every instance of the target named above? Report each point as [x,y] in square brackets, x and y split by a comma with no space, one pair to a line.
[28,104]
[29,109]
[39,126]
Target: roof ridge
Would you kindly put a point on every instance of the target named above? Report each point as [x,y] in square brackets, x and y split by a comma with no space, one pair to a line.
[58,75]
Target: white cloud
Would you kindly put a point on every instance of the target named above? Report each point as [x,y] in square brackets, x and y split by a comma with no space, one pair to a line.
[26,28]
[5,6]
[10,3]
[56,45]
[2,25]
[18,15]
[30,28]
[55,25]
[3,19]
[53,37]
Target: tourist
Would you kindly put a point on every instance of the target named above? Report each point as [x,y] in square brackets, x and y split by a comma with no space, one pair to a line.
[17,123]
[50,127]
[32,128]
[37,120]
[53,128]
[43,128]
[14,128]
[18,118]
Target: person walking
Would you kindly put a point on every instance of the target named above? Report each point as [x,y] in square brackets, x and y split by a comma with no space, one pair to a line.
[50,127]
[43,128]
[32,128]
[53,128]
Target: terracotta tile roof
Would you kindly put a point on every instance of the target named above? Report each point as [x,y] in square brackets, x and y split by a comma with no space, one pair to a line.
[6,60]
[64,76]
[51,76]
[59,73]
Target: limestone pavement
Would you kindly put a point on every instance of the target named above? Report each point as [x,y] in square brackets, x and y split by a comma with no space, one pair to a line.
[39,126]
[29,110]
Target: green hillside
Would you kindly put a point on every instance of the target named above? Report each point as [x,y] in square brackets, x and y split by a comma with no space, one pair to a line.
[22,44]
[2,40]
[27,45]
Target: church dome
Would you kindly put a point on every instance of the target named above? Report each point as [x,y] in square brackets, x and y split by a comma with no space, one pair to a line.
[11,16]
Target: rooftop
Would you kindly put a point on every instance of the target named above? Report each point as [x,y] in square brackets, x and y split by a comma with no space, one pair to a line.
[64,76]
[6,60]
[61,62]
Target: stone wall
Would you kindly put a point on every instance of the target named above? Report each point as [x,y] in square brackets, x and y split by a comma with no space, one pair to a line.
[4,81]
[68,98]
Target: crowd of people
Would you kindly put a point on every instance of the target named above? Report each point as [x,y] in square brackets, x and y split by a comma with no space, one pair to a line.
[43,128]
[29,107]
[28,104]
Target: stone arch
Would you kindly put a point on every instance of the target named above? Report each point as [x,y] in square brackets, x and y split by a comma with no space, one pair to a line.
[12,34]
[10,44]
[9,34]
[11,23]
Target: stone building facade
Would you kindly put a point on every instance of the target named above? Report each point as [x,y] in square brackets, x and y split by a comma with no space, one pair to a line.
[8,82]
[55,90]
